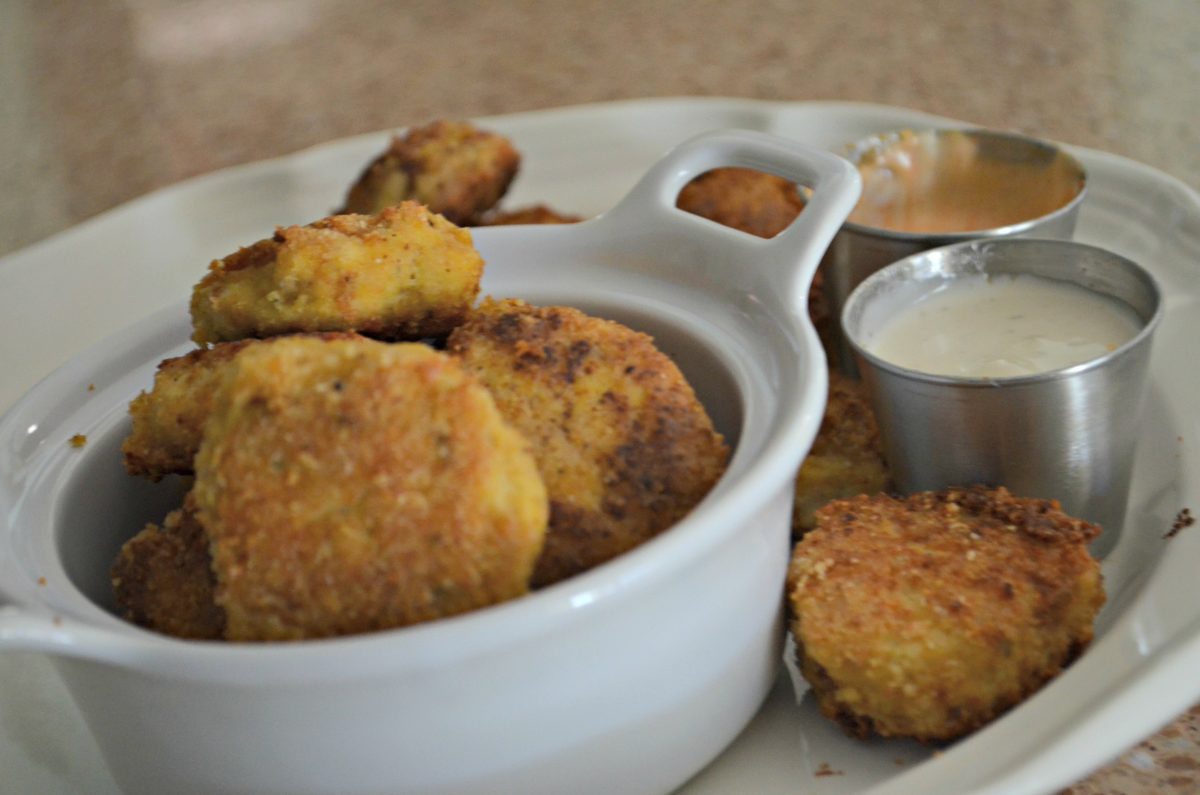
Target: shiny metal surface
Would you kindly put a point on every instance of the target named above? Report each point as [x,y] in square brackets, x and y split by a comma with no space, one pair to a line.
[1066,434]
[859,250]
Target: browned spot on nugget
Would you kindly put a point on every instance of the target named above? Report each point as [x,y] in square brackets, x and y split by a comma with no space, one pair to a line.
[931,615]
[624,446]
[352,485]
[453,168]
[404,274]
[163,579]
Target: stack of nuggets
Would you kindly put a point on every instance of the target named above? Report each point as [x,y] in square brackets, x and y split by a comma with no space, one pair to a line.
[349,479]
[342,484]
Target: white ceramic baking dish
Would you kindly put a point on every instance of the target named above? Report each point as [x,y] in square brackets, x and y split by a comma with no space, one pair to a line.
[627,679]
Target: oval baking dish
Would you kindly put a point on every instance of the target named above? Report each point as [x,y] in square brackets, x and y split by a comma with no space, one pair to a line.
[628,678]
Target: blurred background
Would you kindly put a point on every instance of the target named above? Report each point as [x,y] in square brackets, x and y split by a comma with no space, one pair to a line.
[104,101]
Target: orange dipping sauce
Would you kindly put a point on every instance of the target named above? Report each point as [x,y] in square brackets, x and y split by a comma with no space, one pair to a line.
[952,181]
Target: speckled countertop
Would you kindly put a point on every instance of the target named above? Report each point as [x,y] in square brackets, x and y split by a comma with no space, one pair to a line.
[104,101]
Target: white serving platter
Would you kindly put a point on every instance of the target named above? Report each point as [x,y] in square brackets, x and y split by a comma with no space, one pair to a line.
[59,296]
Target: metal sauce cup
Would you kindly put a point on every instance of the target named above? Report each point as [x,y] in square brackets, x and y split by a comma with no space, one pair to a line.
[933,188]
[1068,434]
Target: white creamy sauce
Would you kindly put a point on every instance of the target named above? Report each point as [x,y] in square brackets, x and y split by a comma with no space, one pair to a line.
[1003,326]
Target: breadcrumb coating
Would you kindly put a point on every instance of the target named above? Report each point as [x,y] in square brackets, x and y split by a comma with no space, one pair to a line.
[846,458]
[931,615]
[404,274]
[163,579]
[353,485]
[623,445]
[452,167]
[753,201]
[168,420]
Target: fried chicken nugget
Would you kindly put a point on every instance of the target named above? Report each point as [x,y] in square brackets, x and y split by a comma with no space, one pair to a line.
[168,421]
[452,167]
[846,458]
[753,201]
[403,274]
[163,579]
[929,616]
[353,485]
[623,445]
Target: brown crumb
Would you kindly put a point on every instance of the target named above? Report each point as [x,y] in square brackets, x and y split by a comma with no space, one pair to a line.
[41,581]
[91,387]
[825,770]
[78,440]
[1182,519]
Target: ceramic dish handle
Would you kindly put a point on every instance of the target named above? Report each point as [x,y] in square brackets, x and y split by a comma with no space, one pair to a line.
[787,262]
[32,627]
[23,629]
[27,631]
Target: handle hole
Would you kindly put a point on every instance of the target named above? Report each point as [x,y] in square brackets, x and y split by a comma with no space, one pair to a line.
[751,201]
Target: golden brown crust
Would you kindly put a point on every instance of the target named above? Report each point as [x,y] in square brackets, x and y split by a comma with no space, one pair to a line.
[931,615]
[534,214]
[452,167]
[168,421]
[846,458]
[353,485]
[163,579]
[623,445]
[404,274]
[755,202]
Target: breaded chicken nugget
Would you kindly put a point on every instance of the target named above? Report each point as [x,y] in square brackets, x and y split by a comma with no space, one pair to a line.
[623,445]
[753,201]
[452,167]
[168,421]
[404,274]
[163,579]
[846,458]
[534,214]
[929,616]
[354,485]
